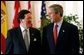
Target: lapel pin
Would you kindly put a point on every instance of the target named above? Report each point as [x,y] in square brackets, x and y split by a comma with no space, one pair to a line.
[35,39]
[63,30]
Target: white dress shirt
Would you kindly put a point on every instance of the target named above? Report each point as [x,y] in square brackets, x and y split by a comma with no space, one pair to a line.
[22,30]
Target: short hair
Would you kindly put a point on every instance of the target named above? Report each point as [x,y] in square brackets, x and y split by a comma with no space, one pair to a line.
[21,14]
[57,9]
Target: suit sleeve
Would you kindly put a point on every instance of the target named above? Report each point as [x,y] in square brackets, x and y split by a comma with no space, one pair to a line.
[9,44]
[75,41]
[39,38]
[44,42]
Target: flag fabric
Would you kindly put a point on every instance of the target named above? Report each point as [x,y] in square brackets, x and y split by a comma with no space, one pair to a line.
[17,9]
[29,5]
[44,20]
[3,26]
[43,9]
[43,13]
[29,8]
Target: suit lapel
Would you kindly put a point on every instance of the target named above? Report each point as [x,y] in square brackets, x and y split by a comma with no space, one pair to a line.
[31,35]
[50,38]
[61,32]
[20,37]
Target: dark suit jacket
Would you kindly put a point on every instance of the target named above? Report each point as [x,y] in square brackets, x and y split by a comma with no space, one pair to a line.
[15,43]
[68,40]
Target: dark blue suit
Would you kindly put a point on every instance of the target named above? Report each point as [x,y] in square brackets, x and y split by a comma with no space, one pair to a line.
[67,43]
[15,43]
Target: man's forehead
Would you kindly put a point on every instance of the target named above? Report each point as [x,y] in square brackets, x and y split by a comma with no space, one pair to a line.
[50,10]
[28,14]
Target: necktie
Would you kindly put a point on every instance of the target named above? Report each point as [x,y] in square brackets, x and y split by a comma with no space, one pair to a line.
[26,39]
[55,33]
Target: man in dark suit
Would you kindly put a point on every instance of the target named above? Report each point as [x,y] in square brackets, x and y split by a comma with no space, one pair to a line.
[59,37]
[23,39]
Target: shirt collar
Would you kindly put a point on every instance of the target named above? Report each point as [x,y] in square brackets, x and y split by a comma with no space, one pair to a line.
[22,28]
[59,23]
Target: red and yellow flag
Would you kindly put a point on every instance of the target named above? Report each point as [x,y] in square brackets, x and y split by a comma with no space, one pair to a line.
[3,26]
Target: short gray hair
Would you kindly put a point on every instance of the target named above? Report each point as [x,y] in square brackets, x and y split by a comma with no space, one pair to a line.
[57,9]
